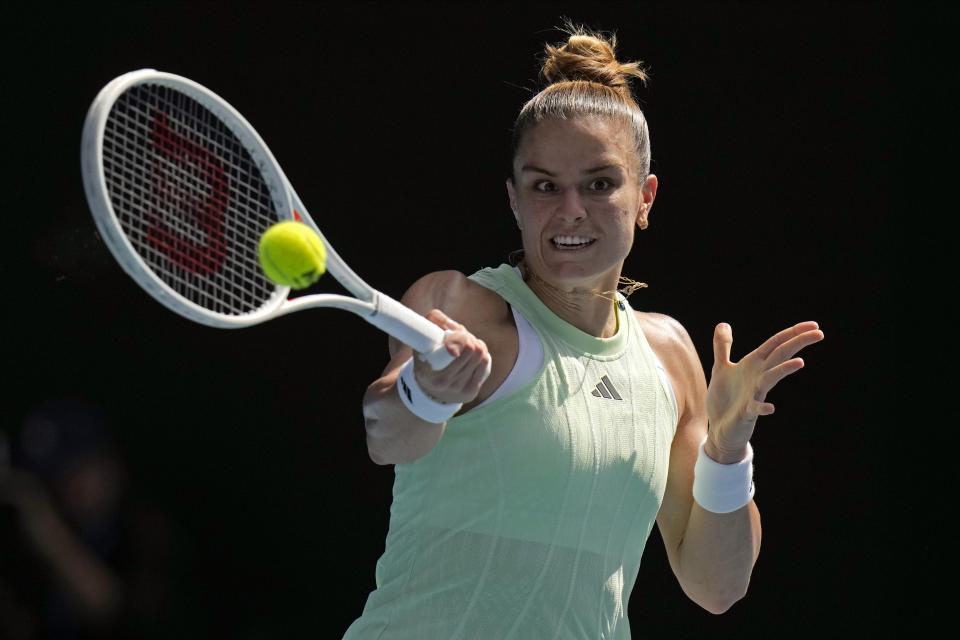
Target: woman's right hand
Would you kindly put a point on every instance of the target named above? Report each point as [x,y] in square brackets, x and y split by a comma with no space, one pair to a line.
[396,435]
[460,381]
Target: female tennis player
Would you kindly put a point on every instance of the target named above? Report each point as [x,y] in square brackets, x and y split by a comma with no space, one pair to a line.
[530,471]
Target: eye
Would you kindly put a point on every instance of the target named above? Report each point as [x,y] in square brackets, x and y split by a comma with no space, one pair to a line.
[601,184]
[544,185]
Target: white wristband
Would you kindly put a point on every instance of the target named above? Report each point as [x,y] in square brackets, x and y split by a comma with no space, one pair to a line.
[417,400]
[722,488]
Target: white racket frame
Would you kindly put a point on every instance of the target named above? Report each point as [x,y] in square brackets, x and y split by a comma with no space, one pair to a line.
[375,307]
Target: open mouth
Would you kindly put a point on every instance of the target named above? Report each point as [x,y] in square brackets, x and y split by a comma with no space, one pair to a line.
[572,243]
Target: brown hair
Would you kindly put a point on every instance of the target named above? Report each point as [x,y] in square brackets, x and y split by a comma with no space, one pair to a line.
[586,79]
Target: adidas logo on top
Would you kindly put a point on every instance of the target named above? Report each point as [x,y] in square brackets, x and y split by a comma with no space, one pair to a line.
[605,389]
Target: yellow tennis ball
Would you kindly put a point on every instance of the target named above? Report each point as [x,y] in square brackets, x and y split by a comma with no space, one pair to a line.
[292,254]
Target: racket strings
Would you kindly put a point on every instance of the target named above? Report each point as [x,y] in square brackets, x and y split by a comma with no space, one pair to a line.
[189,197]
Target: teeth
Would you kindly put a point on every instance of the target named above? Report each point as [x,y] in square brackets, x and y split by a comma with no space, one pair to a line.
[571,240]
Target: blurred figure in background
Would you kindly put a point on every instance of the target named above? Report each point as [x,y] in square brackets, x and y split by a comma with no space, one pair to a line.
[78,558]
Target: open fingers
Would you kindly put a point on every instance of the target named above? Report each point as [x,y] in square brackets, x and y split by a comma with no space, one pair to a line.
[771,377]
[760,408]
[722,342]
[775,341]
[792,346]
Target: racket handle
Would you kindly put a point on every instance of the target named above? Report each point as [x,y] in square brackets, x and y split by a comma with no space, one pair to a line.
[439,358]
[409,327]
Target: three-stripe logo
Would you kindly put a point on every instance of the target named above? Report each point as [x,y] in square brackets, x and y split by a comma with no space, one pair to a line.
[606,390]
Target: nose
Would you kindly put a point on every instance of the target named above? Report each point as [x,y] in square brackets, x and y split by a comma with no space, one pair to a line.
[572,207]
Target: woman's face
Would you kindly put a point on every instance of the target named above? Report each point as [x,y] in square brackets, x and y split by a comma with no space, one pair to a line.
[577,196]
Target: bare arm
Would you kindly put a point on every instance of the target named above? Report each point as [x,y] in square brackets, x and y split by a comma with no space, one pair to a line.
[712,554]
[394,434]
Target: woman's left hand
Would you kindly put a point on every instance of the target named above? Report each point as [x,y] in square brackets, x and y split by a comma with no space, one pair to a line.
[737,393]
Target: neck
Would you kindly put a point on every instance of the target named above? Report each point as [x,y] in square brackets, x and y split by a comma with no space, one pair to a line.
[590,310]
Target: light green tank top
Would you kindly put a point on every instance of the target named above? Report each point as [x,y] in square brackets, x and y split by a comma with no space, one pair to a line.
[529,517]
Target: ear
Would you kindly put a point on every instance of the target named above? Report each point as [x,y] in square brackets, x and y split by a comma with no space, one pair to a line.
[512,195]
[648,193]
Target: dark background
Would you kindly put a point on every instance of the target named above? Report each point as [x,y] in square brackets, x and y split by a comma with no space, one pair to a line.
[778,137]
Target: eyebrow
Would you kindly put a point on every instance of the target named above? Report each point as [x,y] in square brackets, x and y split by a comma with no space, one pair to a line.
[536,169]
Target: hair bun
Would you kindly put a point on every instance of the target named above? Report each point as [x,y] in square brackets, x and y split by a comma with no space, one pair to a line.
[590,57]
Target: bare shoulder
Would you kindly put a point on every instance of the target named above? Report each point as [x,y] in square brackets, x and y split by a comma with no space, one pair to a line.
[665,334]
[480,310]
[673,346]
[456,295]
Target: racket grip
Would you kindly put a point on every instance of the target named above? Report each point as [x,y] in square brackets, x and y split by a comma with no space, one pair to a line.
[411,328]
[439,358]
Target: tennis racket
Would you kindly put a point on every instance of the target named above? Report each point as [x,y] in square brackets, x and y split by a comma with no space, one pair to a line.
[181,187]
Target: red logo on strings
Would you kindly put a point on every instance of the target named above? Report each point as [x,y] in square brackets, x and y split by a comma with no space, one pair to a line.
[205,213]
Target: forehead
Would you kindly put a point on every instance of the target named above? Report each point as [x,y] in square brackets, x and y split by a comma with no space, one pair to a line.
[587,140]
